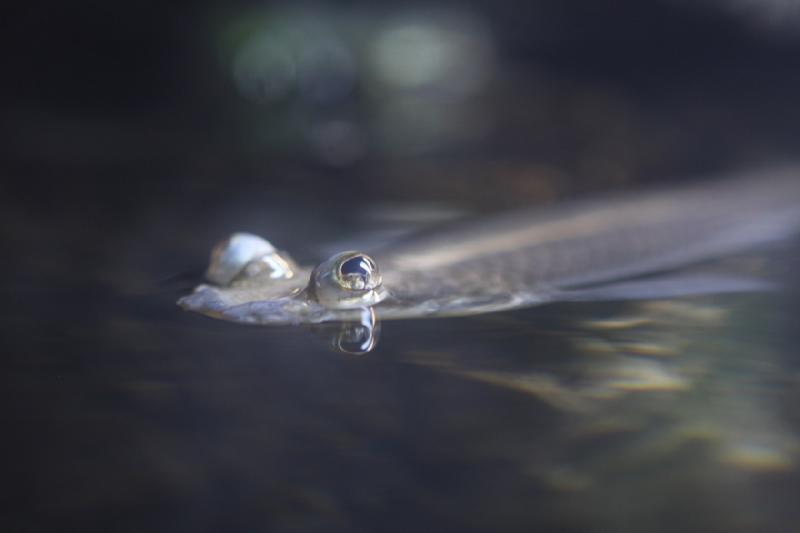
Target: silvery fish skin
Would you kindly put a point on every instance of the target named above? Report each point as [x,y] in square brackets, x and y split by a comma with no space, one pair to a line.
[535,256]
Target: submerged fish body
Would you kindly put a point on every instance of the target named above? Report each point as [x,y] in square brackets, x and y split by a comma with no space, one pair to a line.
[528,257]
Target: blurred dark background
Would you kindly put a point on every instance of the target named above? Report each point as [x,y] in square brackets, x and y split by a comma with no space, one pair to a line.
[135,134]
[111,107]
[122,113]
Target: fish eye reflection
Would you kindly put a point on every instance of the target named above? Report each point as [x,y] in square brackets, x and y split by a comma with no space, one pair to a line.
[355,337]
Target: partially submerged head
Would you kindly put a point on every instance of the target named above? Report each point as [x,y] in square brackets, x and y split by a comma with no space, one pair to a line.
[255,283]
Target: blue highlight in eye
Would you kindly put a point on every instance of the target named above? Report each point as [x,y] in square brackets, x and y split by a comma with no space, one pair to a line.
[356,271]
[358,265]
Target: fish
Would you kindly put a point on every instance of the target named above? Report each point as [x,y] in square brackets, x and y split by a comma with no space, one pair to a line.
[615,246]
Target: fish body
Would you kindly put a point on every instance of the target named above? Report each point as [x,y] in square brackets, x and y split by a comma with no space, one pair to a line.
[540,255]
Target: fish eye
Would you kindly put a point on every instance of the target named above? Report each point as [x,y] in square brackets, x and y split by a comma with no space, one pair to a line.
[358,273]
[242,256]
[346,281]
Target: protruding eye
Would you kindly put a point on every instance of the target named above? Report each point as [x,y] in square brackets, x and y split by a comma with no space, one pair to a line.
[243,255]
[347,280]
[358,273]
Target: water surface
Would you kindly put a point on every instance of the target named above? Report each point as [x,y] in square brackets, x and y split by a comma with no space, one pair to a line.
[130,414]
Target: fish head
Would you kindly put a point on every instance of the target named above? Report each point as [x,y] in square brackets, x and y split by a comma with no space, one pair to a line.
[252,282]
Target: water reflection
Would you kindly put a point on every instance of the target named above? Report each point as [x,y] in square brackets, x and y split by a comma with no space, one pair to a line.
[681,400]
[359,337]
[595,417]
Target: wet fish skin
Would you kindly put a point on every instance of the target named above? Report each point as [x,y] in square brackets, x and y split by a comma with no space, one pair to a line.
[540,255]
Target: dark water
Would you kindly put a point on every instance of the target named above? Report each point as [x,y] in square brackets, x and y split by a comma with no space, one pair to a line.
[131,146]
